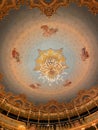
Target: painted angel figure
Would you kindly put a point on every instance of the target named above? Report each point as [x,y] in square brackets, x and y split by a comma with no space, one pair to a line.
[35,86]
[85,54]
[67,83]
[16,55]
[48,31]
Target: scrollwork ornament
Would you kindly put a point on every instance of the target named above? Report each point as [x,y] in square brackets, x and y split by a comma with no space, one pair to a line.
[47,8]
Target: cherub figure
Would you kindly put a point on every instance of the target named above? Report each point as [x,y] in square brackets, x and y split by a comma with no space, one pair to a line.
[48,31]
[67,83]
[16,55]
[35,86]
[85,54]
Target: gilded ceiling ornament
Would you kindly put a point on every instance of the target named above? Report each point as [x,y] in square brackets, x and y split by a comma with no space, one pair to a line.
[82,100]
[48,8]
[51,63]
[91,4]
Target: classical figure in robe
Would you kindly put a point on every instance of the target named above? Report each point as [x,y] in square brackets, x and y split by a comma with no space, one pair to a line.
[16,55]
[85,54]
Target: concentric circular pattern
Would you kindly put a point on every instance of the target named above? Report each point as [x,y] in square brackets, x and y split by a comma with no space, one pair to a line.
[25,32]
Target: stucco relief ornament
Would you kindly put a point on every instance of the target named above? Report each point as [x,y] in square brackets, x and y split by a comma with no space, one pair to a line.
[48,8]
[51,65]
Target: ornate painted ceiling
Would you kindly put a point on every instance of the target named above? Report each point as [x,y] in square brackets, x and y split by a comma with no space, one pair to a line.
[49,58]
[48,61]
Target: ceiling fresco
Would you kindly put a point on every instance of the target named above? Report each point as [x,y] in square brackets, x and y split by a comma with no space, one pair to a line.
[49,58]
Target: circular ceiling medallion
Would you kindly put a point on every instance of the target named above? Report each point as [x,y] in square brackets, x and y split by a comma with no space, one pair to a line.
[51,65]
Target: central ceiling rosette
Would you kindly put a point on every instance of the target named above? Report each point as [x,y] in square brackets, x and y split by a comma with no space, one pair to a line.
[51,64]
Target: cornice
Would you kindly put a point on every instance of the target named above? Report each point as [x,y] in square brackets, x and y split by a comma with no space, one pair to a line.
[20,106]
[47,8]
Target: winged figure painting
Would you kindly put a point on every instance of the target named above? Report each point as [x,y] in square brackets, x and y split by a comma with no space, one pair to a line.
[48,31]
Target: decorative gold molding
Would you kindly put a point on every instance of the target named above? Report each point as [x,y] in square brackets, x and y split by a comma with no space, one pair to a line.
[12,124]
[91,4]
[47,8]
[20,106]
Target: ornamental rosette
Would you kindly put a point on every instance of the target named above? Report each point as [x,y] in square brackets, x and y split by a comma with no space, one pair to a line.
[50,63]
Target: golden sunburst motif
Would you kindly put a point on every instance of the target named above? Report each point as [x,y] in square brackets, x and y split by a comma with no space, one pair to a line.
[51,63]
